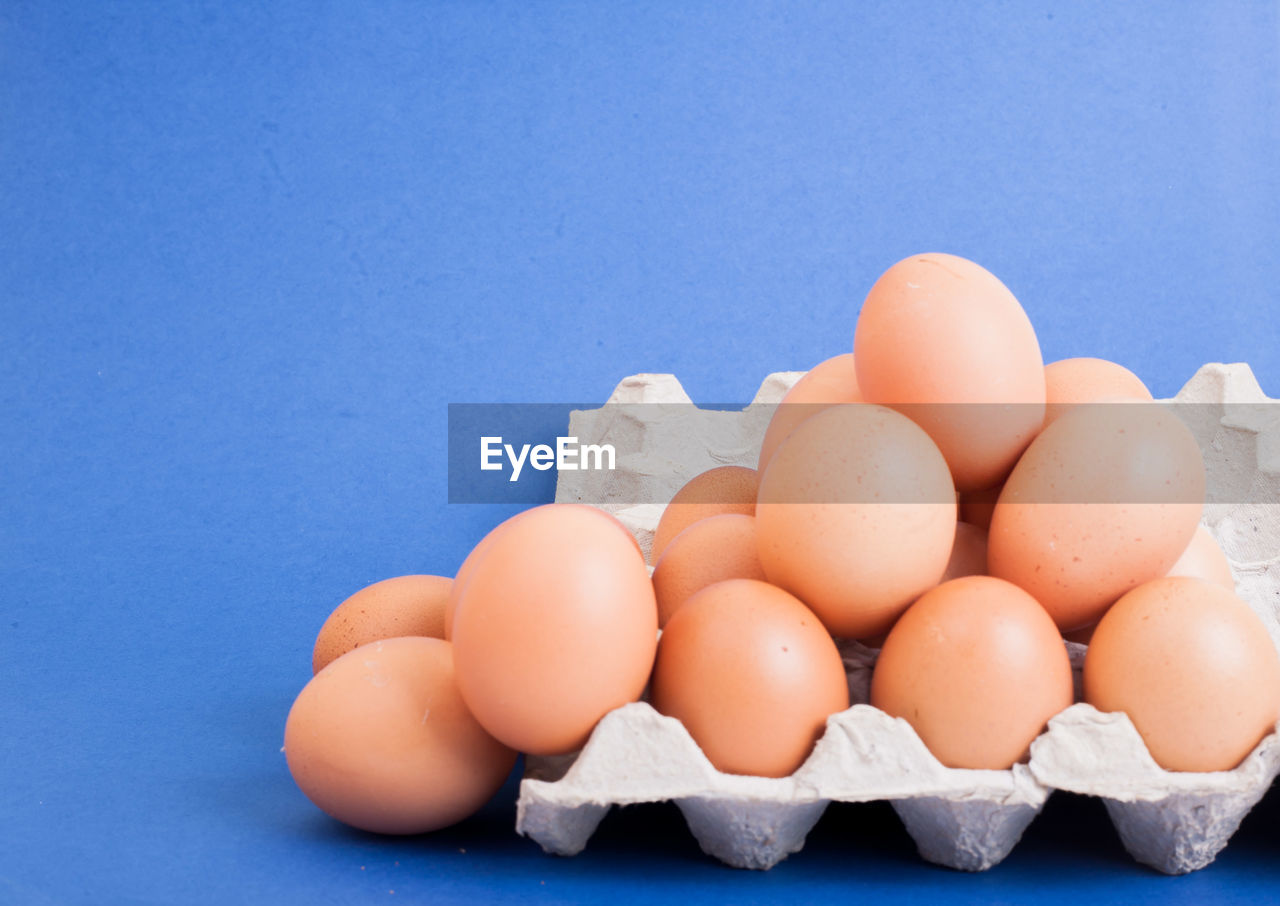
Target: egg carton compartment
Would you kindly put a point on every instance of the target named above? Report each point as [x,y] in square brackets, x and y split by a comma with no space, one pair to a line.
[964,819]
[1172,821]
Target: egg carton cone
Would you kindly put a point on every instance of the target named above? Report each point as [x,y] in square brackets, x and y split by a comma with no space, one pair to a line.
[1173,821]
[963,819]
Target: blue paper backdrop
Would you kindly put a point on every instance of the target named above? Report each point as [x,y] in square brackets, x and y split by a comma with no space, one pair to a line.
[248,253]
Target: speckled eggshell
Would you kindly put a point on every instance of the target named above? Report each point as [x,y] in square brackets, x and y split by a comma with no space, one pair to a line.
[751,674]
[1194,669]
[726,489]
[828,383]
[968,558]
[938,330]
[968,553]
[403,606]
[977,668]
[1069,382]
[977,507]
[1203,559]
[856,516]
[709,551]
[1106,498]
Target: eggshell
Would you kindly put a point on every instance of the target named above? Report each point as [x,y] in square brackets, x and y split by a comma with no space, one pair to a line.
[968,558]
[968,553]
[380,739]
[977,668]
[937,330]
[467,568]
[1194,669]
[977,507]
[825,532]
[556,626]
[1070,382]
[403,606]
[1203,559]
[709,551]
[464,571]
[1082,635]
[727,489]
[1106,498]
[970,820]
[830,382]
[751,674]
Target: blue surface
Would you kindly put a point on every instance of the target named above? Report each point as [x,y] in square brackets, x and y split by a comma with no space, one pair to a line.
[249,253]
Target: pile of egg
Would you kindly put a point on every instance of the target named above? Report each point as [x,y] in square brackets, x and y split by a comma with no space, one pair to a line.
[939,495]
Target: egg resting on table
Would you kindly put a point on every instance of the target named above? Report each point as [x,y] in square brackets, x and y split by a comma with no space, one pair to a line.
[381,740]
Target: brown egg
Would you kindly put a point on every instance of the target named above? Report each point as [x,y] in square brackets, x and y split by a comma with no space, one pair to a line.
[1070,382]
[1082,636]
[727,489]
[751,674]
[405,605]
[968,553]
[937,330]
[830,382]
[1106,498]
[977,507]
[856,516]
[464,571]
[968,558]
[1203,559]
[1192,666]
[709,551]
[557,626]
[381,740]
[977,668]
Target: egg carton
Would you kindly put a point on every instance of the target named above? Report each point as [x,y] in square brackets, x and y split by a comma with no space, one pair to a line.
[964,819]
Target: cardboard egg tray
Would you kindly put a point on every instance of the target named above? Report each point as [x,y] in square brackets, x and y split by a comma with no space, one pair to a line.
[964,819]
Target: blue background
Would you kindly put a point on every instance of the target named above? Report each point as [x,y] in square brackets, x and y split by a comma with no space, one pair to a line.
[248,253]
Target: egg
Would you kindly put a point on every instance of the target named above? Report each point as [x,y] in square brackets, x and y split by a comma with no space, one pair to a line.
[977,507]
[726,489]
[856,516]
[751,674]
[1081,636]
[977,668]
[830,382]
[938,330]
[556,626]
[1203,559]
[709,551]
[1194,669]
[464,571]
[403,606]
[1070,382]
[381,740]
[968,558]
[1106,498]
[968,553]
